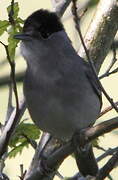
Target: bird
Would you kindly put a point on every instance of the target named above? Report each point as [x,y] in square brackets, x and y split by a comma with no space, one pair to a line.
[61,91]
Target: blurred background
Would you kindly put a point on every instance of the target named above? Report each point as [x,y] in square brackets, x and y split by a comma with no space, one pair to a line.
[12,166]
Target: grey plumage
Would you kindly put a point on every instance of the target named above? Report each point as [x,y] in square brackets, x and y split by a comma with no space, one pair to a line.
[61,92]
[65,100]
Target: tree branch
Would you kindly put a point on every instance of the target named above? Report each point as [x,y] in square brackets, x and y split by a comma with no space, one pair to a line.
[109,152]
[76,19]
[101,32]
[107,109]
[84,137]
[10,127]
[107,168]
[106,74]
[6,79]
[56,157]
[60,6]
[113,61]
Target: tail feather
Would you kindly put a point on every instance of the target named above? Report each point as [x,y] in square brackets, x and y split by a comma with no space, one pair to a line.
[86,161]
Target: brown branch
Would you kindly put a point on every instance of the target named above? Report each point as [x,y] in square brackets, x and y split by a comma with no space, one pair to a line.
[57,157]
[107,109]
[113,61]
[109,152]
[84,137]
[35,171]
[106,74]
[108,167]
[101,129]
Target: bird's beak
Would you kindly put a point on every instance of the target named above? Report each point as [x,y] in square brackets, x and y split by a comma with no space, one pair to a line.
[22,36]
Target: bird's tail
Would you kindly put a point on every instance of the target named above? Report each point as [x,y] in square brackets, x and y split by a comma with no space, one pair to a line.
[86,161]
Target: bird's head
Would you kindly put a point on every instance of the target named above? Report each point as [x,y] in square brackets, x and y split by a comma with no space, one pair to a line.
[41,23]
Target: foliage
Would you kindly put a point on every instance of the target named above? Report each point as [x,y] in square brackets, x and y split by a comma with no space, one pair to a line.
[12,26]
[23,133]
[3,26]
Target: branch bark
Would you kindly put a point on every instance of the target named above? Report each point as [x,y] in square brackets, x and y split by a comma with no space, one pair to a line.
[56,155]
[107,168]
[101,32]
[10,127]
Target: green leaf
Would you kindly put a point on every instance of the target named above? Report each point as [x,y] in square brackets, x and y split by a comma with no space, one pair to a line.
[19,20]
[12,43]
[29,130]
[17,149]
[3,26]
[15,9]
[14,28]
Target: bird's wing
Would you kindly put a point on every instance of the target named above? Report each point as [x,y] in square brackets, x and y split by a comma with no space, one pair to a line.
[92,79]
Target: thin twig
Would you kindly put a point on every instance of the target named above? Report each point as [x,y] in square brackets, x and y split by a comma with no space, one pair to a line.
[21,170]
[99,148]
[109,73]
[113,61]
[59,175]
[109,152]
[10,107]
[80,9]
[11,13]
[108,167]
[12,65]
[31,141]
[76,19]
[107,109]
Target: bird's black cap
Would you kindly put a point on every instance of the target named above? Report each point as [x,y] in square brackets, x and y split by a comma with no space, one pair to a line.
[43,21]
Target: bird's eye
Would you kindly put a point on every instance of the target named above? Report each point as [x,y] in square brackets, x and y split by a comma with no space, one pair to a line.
[43,31]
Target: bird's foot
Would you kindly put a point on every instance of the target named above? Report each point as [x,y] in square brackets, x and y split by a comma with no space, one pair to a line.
[46,170]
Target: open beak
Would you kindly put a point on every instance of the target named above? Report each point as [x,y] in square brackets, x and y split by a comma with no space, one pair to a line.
[22,36]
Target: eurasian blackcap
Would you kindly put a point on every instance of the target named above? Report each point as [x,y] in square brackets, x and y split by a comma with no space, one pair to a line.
[61,92]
